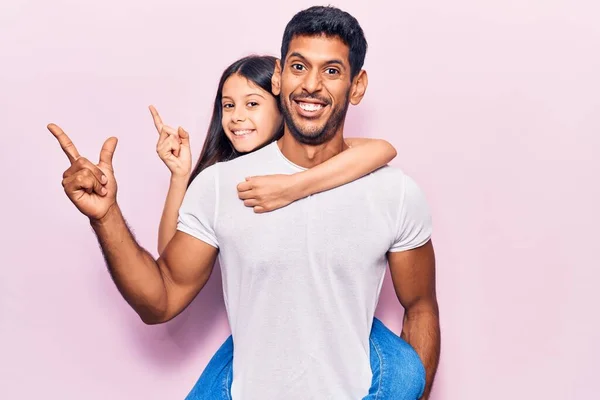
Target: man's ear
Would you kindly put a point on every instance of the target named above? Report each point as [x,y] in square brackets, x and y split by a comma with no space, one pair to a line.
[276,79]
[359,87]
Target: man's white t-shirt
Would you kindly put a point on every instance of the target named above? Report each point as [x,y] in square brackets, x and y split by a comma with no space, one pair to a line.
[301,283]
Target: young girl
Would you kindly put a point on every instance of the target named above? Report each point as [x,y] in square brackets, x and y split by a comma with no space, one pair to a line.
[246,117]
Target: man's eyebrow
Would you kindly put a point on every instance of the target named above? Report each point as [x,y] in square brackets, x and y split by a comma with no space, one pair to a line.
[300,56]
[335,61]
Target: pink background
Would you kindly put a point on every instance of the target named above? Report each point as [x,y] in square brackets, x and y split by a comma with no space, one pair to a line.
[493,106]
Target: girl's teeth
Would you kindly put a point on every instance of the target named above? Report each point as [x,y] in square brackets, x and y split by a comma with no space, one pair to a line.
[310,106]
[241,133]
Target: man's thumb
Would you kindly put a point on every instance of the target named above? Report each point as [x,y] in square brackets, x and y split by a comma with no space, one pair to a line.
[107,152]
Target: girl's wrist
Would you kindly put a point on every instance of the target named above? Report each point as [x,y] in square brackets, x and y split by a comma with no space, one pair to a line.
[180,179]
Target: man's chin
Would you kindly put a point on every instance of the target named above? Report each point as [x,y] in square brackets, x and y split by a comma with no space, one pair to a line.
[309,134]
[308,128]
[311,137]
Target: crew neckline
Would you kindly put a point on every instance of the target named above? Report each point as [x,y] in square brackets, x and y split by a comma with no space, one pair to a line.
[278,150]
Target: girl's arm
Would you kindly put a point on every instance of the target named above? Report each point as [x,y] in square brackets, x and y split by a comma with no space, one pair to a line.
[170,215]
[173,148]
[363,157]
[267,193]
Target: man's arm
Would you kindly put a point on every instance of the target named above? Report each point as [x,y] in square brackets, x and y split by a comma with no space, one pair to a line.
[157,290]
[413,275]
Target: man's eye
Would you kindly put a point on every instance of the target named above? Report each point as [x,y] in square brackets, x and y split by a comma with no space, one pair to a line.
[298,67]
[332,71]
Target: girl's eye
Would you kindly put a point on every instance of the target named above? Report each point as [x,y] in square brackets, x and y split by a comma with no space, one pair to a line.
[252,104]
[228,105]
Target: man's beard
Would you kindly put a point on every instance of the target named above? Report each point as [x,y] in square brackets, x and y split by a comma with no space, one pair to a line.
[320,136]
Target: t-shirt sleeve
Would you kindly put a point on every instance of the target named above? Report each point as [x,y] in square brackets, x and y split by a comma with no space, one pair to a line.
[414,223]
[198,212]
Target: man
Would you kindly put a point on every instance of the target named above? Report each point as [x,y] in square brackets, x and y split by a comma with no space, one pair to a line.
[301,283]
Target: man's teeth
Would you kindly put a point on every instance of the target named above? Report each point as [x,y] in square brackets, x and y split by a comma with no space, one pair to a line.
[244,132]
[310,106]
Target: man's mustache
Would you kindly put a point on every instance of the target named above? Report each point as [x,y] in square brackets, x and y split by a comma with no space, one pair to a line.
[306,96]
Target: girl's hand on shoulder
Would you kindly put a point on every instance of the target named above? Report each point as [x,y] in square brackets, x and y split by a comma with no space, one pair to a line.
[268,192]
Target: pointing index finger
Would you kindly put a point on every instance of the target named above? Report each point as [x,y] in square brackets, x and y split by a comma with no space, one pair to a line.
[65,143]
[157,120]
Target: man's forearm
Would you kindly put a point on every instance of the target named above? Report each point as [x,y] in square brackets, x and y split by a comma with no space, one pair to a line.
[134,271]
[421,330]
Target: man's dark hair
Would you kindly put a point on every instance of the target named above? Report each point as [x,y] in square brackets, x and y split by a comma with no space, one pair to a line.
[331,22]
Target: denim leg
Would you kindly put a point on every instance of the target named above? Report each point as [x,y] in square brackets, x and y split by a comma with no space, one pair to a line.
[215,381]
[398,372]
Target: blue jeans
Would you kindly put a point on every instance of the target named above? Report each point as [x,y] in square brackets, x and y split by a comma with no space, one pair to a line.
[398,372]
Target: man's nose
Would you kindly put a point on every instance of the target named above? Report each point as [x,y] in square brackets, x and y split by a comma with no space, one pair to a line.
[312,81]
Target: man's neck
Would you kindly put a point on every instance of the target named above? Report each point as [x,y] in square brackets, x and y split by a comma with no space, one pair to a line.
[308,156]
